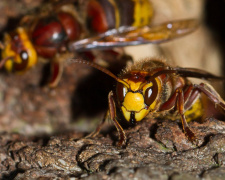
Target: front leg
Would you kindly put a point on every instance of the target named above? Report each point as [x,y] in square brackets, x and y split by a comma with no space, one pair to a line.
[57,66]
[99,127]
[112,113]
[180,106]
[56,73]
[178,101]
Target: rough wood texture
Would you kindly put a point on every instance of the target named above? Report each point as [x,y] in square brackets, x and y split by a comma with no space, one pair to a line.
[156,150]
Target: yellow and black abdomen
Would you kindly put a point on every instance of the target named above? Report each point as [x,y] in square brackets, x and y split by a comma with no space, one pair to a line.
[195,112]
[103,15]
[193,104]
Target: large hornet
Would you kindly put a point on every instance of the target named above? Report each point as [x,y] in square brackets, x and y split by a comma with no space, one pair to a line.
[152,87]
[107,23]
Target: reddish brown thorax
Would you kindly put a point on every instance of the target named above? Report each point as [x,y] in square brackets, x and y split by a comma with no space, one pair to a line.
[52,33]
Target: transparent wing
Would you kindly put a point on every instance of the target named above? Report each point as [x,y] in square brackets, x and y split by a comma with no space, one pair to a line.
[130,36]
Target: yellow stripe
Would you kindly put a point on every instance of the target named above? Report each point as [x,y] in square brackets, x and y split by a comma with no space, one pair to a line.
[196,111]
[147,12]
[137,14]
[143,13]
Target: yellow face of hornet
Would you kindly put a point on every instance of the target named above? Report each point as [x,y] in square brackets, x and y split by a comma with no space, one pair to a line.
[137,98]
[19,51]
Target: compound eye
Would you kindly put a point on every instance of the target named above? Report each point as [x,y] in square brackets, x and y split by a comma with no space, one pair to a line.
[121,91]
[150,94]
[24,55]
